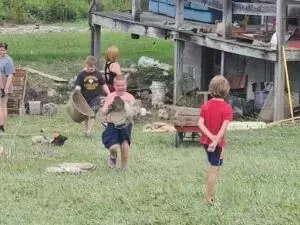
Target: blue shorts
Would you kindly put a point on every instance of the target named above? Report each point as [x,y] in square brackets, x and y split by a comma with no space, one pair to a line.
[214,158]
[112,135]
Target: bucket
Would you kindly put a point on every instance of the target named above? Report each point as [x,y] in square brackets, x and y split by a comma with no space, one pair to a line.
[260,98]
[78,109]
[158,90]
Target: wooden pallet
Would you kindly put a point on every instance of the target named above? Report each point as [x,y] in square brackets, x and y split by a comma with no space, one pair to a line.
[15,104]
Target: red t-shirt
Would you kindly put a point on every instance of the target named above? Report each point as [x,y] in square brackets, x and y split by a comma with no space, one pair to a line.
[215,112]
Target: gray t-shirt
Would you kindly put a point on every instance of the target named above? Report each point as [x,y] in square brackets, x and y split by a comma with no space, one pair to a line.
[6,68]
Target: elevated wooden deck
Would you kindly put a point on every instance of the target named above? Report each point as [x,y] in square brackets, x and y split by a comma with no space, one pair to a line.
[159,26]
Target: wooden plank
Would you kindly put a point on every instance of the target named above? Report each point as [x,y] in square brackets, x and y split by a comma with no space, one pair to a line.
[256,9]
[214,4]
[279,73]
[55,78]
[241,8]
[131,27]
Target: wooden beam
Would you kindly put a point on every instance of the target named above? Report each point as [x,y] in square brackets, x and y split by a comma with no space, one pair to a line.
[223,63]
[231,46]
[92,4]
[97,40]
[97,5]
[178,57]
[261,9]
[42,74]
[227,23]
[179,19]
[97,34]
[227,19]
[279,73]
[136,15]
[178,69]
[122,25]
[136,10]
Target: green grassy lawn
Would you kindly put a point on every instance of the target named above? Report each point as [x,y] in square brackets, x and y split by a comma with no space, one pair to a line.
[63,54]
[259,182]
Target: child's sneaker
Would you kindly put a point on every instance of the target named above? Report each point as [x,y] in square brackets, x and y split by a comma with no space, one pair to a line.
[112,161]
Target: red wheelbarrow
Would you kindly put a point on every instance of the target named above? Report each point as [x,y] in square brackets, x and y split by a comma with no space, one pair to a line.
[186,125]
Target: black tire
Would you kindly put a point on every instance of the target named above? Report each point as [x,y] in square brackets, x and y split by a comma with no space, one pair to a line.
[178,139]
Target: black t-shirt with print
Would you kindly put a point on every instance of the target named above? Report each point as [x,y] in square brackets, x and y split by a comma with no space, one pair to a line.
[90,84]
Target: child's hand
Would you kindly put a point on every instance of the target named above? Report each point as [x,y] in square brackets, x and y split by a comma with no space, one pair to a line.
[212,146]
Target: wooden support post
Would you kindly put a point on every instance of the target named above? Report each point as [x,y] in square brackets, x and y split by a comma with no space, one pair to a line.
[136,14]
[179,46]
[279,73]
[227,22]
[136,10]
[90,10]
[97,35]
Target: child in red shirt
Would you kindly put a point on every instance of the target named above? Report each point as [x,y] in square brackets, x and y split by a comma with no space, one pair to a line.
[215,116]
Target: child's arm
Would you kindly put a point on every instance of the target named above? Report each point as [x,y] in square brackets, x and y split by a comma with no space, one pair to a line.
[103,84]
[108,101]
[106,89]
[219,136]
[204,129]
[79,82]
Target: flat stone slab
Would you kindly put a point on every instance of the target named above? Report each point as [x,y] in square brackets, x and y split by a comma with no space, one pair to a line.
[71,168]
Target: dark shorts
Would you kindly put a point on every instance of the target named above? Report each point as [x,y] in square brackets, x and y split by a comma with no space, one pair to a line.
[214,158]
[112,135]
[94,103]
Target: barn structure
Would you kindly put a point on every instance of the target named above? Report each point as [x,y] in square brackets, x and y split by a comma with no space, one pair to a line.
[246,47]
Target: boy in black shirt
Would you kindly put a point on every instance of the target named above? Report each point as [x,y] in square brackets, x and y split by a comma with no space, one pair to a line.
[89,81]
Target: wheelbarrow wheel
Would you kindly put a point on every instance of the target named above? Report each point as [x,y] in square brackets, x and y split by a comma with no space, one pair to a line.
[178,139]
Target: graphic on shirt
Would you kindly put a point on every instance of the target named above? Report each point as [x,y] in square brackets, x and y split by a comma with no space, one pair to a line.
[90,82]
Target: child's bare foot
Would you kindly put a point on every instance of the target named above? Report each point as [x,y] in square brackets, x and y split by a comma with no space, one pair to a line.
[209,201]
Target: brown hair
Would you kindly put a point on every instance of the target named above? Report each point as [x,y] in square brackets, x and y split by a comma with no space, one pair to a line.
[3,45]
[112,54]
[91,61]
[219,87]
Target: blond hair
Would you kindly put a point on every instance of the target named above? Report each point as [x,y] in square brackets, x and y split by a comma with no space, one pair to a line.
[119,77]
[219,87]
[112,54]
[91,61]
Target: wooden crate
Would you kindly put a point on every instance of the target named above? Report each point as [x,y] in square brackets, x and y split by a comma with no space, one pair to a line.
[15,104]
[186,117]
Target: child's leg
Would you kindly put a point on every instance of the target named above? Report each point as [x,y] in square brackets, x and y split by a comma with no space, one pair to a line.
[1,82]
[1,116]
[89,126]
[124,154]
[211,182]
[216,160]
[112,160]
[3,110]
